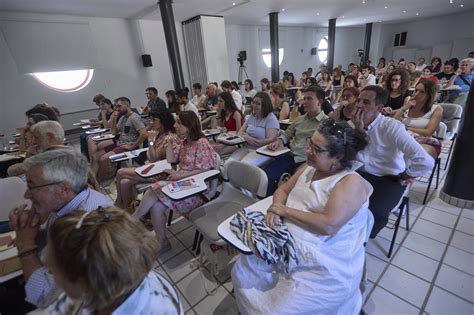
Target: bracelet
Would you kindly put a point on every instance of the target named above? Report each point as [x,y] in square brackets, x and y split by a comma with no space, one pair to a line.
[28,252]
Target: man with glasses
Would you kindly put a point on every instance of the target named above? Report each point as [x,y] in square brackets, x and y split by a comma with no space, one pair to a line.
[56,185]
[392,159]
[295,136]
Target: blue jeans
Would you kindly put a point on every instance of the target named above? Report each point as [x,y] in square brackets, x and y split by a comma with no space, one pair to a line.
[83,141]
[282,164]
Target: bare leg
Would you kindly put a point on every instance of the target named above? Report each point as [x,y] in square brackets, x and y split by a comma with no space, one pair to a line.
[95,161]
[149,199]
[430,150]
[103,164]
[158,218]
[126,179]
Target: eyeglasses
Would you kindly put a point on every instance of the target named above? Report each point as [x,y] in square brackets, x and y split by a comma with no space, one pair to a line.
[314,148]
[30,188]
[335,129]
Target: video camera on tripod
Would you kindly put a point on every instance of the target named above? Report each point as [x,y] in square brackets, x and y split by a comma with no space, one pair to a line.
[241,57]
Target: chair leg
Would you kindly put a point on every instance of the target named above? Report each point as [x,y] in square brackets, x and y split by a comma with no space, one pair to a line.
[403,207]
[198,250]
[407,210]
[429,183]
[438,166]
[170,218]
[196,237]
[449,152]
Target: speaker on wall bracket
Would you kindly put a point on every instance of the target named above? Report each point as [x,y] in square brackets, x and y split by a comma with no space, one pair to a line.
[146,59]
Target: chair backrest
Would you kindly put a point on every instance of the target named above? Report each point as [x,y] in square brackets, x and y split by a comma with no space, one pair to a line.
[12,191]
[441,131]
[215,182]
[246,176]
[451,117]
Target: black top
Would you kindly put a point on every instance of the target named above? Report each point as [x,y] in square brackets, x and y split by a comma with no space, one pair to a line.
[443,75]
[336,82]
[397,102]
[158,103]
[326,107]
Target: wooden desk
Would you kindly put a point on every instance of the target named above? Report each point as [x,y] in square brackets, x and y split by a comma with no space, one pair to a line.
[227,235]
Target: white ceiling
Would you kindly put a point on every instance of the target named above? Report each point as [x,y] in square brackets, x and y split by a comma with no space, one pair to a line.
[296,12]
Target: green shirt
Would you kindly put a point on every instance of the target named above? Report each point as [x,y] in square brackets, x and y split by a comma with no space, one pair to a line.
[297,133]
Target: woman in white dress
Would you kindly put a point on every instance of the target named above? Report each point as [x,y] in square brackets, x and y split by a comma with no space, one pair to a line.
[325,206]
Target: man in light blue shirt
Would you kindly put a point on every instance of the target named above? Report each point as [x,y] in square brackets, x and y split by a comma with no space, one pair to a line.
[56,185]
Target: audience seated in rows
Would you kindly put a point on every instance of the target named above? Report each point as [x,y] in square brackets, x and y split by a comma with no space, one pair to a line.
[198,98]
[281,108]
[230,118]
[397,84]
[365,78]
[427,74]
[56,185]
[153,100]
[227,87]
[184,103]
[126,178]
[392,158]
[103,260]
[346,107]
[349,81]
[173,105]
[295,136]
[260,128]
[44,135]
[463,79]
[249,89]
[132,133]
[421,117]
[325,207]
[194,156]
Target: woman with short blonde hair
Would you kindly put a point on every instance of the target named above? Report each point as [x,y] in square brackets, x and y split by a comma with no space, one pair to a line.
[103,260]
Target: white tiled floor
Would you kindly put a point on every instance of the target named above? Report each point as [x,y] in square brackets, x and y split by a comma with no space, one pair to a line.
[431,270]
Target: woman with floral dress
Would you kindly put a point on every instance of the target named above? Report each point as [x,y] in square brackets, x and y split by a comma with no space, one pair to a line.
[195,156]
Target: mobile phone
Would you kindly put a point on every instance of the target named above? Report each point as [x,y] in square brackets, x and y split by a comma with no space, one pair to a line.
[232,138]
[147,169]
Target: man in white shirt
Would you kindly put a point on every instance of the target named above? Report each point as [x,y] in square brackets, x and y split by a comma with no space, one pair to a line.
[392,159]
[366,78]
[227,87]
[420,65]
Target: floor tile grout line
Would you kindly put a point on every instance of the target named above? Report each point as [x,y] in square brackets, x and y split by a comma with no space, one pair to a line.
[399,297]
[441,261]
[454,294]
[388,263]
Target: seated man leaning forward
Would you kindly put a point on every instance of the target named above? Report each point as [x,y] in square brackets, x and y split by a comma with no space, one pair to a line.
[296,135]
[132,134]
[56,185]
[325,207]
[45,134]
[392,159]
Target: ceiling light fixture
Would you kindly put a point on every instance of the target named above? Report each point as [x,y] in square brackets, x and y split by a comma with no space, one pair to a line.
[417,14]
[282,10]
[461,5]
[317,13]
[233,3]
[363,1]
[450,1]
[342,16]
[385,7]
[404,11]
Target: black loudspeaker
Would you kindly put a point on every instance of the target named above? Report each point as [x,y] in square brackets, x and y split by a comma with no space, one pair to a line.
[146,59]
[314,51]
[243,55]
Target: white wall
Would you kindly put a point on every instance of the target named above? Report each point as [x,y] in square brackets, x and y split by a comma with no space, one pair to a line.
[119,43]
[446,36]
[297,42]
